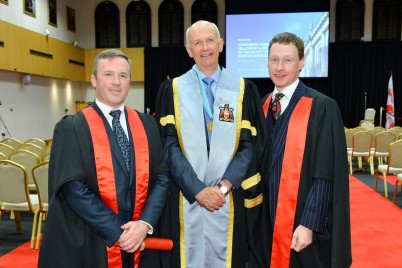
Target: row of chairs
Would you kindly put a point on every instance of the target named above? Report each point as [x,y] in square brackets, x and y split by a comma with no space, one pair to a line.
[377,144]
[24,181]
[16,196]
[369,145]
[28,160]
[34,145]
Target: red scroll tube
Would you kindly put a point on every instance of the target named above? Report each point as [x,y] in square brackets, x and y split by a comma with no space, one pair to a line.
[158,243]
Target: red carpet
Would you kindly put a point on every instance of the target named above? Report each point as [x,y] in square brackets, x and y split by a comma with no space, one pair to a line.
[376,228]
[22,256]
[376,233]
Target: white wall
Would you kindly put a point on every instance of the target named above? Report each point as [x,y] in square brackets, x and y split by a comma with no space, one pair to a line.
[33,110]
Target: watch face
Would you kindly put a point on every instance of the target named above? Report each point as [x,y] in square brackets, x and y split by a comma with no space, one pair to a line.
[224,189]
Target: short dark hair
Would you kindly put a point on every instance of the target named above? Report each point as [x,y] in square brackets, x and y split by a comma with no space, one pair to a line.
[110,53]
[288,38]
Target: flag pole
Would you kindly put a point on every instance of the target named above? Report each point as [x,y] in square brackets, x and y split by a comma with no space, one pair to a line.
[381,116]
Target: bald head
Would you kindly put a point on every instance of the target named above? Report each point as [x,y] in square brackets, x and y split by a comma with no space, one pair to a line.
[200,24]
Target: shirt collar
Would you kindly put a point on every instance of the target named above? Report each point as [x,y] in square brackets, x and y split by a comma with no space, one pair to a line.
[214,76]
[287,91]
[106,109]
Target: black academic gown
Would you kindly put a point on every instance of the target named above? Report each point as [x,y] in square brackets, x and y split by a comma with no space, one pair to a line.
[324,157]
[171,224]
[68,241]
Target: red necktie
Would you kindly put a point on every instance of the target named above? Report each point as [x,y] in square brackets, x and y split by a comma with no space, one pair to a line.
[276,106]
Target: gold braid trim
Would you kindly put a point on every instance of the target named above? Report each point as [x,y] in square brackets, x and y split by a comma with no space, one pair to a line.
[169,119]
[250,203]
[250,182]
[247,125]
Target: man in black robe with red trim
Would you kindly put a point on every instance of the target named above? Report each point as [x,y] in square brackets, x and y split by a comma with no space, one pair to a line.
[304,171]
[108,179]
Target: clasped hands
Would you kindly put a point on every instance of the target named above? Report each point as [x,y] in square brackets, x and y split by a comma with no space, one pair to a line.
[133,237]
[211,198]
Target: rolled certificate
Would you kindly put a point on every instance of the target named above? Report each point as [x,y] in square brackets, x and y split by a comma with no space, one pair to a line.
[158,243]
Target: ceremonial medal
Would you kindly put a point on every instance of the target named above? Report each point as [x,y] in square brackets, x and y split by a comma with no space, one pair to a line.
[210,124]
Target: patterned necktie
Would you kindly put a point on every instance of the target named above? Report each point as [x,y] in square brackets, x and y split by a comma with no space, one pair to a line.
[121,137]
[276,106]
[208,81]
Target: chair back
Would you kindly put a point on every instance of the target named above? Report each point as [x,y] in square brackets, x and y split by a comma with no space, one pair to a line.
[40,174]
[395,157]
[400,137]
[2,156]
[12,142]
[382,140]
[33,148]
[27,160]
[6,149]
[380,128]
[367,124]
[374,131]
[359,128]
[14,194]
[361,143]
[369,114]
[36,141]
[349,134]
[395,130]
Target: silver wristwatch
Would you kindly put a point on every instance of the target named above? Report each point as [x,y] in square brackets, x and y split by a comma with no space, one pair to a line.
[222,188]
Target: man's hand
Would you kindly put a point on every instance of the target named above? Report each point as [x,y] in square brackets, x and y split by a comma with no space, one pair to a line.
[211,198]
[302,237]
[133,237]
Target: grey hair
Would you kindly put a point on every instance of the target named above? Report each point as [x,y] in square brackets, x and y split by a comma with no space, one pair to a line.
[218,35]
[110,53]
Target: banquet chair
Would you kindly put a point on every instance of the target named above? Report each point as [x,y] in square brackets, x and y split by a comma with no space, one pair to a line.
[12,142]
[398,180]
[361,147]
[40,176]
[2,156]
[14,193]
[374,131]
[380,150]
[348,134]
[367,124]
[28,160]
[359,128]
[36,141]
[6,149]
[369,115]
[33,148]
[380,128]
[396,131]
[393,166]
